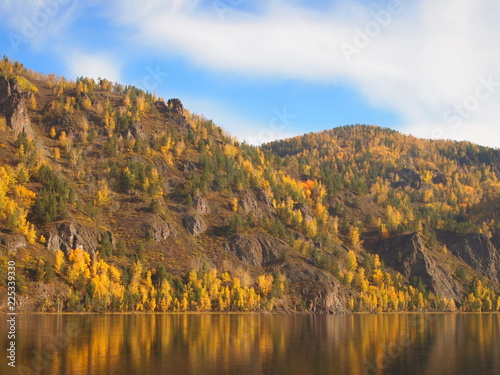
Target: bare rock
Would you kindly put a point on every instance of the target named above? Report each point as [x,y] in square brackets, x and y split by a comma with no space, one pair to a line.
[158,230]
[175,106]
[322,293]
[13,242]
[161,106]
[305,210]
[247,203]
[407,255]
[136,130]
[256,249]
[476,250]
[262,196]
[194,224]
[495,240]
[188,166]
[201,205]
[69,236]
[13,106]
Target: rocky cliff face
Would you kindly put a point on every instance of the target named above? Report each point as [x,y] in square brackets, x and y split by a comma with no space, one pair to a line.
[13,107]
[408,255]
[194,224]
[70,236]
[256,249]
[476,250]
[322,293]
[158,230]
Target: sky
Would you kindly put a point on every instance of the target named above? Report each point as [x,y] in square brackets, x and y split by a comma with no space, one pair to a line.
[271,69]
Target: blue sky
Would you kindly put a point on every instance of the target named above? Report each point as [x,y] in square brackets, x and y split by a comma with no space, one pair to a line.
[271,69]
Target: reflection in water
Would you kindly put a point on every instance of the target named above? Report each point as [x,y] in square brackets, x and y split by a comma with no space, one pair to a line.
[255,344]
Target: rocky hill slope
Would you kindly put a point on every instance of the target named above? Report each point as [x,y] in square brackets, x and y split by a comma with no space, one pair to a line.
[114,199]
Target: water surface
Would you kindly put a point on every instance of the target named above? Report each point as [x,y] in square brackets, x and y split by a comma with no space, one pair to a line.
[206,344]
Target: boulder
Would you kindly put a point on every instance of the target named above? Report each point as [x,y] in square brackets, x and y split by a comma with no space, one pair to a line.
[70,235]
[407,254]
[194,224]
[256,249]
[13,106]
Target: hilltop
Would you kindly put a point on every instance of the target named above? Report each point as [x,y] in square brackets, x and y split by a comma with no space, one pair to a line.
[112,199]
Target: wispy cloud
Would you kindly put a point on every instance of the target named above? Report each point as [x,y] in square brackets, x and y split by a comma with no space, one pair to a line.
[92,66]
[278,126]
[418,59]
[35,23]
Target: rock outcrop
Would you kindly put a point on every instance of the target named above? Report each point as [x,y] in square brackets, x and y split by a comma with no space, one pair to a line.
[201,205]
[407,255]
[70,236]
[305,210]
[13,107]
[262,196]
[158,230]
[194,224]
[135,130]
[13,242]
[322,293]
[256,249]
[495,240]
[247,203]
[476,250]
[175,106]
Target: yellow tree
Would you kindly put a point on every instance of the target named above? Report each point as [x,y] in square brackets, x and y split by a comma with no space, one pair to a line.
[265,284]
[59,261]
[351,262]
[354,236]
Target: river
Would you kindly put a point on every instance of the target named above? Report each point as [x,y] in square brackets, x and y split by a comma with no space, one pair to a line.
[239,344]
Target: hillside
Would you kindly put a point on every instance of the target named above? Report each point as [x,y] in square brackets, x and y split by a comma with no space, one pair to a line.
[112,199]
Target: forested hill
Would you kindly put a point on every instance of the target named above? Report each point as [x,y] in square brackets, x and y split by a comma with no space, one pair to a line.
[112,199]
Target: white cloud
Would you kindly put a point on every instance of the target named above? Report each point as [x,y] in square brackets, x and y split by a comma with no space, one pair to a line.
[254,133]
[92,66]
[35,23]
[421,59]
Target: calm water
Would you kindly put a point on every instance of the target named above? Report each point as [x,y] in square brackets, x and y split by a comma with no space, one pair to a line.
[254,344]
